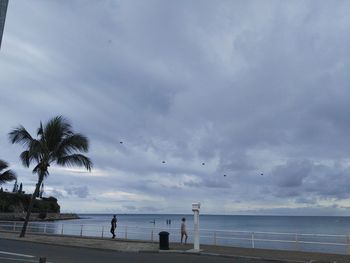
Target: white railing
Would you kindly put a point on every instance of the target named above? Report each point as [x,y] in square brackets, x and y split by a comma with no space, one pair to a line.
[291,241]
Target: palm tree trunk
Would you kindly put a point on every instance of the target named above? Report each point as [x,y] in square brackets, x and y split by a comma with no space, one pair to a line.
[30,207]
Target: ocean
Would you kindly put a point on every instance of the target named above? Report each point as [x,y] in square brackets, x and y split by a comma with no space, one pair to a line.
[304,233]
[293,224]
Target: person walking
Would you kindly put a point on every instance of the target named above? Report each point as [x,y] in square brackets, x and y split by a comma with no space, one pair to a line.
[113,225]
[183,230]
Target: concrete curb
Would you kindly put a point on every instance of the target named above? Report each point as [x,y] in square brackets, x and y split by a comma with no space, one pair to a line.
[258,258]
[223,256]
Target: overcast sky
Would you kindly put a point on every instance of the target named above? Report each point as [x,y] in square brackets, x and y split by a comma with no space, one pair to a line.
[256,90]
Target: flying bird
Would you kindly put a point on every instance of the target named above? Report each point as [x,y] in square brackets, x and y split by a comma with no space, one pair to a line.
[203,163]
[163,162]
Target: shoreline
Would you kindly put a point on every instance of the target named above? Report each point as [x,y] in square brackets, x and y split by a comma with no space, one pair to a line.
[37,217]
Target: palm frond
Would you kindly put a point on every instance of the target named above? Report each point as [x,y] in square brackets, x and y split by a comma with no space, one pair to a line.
[36,168]
[25,158]
[7,176]
[3,165]
[73,143]
[33,153]
[20,135]
[37,149]
[75,159]
[39,171]
[40,130]
[55,130]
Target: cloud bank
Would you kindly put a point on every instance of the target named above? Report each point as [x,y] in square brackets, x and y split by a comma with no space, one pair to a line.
[258,92]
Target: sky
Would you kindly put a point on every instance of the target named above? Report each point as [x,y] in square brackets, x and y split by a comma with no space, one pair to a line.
[258,91]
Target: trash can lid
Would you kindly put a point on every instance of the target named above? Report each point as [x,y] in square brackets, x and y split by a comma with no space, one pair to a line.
[163,233]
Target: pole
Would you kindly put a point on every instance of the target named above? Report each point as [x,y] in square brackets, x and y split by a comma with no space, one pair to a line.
[195,209]
[296,242]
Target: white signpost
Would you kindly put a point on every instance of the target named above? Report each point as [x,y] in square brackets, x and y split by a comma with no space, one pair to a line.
[195,208]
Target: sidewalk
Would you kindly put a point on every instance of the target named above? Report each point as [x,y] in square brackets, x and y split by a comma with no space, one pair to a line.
[152,247]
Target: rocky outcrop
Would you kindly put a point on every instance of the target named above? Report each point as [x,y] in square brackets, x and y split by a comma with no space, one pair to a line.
[37,216]
[18,203]
[13,206]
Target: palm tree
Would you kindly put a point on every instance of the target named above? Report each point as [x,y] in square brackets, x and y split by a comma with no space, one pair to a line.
[6,176]
[56,143]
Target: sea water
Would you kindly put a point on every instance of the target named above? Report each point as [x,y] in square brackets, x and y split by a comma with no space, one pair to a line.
[293,224]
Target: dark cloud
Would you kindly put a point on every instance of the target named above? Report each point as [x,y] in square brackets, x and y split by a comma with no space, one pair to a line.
[291,174]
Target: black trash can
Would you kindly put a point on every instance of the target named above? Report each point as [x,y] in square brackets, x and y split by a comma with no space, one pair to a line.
[163,240]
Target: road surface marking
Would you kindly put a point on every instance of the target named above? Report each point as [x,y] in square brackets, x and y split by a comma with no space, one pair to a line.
[16,254]
[19,259]
[22,260]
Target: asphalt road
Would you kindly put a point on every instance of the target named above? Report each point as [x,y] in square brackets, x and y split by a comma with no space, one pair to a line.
[20,251]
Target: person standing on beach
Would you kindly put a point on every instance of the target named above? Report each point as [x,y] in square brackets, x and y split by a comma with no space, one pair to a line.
[183,230]
[113,225]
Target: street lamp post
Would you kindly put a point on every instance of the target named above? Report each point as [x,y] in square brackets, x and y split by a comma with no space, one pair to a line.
[195,209]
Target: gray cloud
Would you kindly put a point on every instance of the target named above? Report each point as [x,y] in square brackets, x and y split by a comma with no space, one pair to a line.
[80,191]
[55,193]
[291,174]
[248,88]
[332,210]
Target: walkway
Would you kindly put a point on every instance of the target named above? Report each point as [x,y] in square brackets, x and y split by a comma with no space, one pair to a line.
[151,247]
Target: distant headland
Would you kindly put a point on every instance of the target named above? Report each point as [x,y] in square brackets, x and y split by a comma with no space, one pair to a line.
[13,208]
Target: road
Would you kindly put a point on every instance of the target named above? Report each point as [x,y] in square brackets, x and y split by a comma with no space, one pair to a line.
[20,251]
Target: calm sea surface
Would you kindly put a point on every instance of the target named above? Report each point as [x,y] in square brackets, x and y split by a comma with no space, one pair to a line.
[293,224]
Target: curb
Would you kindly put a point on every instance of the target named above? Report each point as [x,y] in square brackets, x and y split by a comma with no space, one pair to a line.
[225,256]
